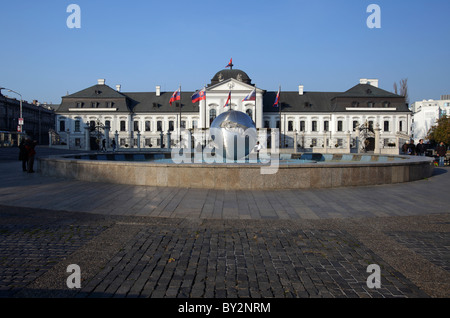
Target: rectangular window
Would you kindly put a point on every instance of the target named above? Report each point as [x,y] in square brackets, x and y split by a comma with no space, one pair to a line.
[290,125]
[194,124]
[62,125]
[267,124]
[159,125]
[171,125]
[326,125]
[355,124]
[340,125]
[278,124]
[136,126]
[123,125]
[386,125]
[77,126]
[148,142]
[400,125]
[302,125]
[314,142]
[314,126]
[183,124]
[108,123]
[92,125]
[147,125]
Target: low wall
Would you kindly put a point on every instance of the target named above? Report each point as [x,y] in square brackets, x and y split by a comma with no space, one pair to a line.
[240,177]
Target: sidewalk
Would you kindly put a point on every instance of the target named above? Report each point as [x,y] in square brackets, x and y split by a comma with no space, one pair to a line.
[135,241]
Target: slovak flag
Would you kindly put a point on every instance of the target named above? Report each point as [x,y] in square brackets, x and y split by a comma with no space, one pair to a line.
[277,99]
[175,96]
[251,96]
[228,100]
[230,64]
[199,95]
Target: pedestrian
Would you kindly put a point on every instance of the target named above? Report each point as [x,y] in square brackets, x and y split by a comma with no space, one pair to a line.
[31,152]
[103,145]
[441,152]
[420,148]
[113,144]
[405,147]
[23,154]
[411,148]
[258,148]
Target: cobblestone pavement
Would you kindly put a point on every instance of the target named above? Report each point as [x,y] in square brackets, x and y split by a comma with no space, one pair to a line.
[223,255]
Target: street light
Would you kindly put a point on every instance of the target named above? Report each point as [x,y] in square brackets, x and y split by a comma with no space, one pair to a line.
[20,115]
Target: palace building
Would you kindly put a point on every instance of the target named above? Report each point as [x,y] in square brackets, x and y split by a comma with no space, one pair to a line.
[363,118]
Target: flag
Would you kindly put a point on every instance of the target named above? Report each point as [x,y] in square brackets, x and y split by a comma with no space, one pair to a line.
[175,96]
[251,96]
[228,100]
[277,99]
[199,95]
[230,64]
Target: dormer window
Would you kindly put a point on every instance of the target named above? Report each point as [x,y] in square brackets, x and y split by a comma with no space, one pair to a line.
[79,105]
[370,104]
[386,104]
[355,104]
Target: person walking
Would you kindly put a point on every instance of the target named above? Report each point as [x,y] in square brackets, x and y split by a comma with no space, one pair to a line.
[405,147]
[441,152]
[31,152]
[411,148]
[23,156]
[420,148]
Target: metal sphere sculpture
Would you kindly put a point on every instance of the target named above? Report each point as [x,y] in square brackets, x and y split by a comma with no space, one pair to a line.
[234,135]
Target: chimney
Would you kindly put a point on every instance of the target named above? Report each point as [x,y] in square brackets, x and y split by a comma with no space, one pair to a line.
[300,89]
[101,81]
[373,81]
[158,90]
[118,87]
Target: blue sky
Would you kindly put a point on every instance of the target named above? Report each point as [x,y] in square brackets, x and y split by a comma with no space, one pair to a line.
[324,45]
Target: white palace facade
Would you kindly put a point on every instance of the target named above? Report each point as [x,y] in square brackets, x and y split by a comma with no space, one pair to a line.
[363,118]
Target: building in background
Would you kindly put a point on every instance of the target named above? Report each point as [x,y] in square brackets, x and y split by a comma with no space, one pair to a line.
[425,115]
[307,121]
[38,119]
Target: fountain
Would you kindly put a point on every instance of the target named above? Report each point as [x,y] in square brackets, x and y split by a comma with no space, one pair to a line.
[228,165]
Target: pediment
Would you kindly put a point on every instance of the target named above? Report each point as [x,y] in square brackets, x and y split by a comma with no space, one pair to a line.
[236,86]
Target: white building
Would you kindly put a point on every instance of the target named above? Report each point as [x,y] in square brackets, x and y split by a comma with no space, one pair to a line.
[425,115]
[307,121]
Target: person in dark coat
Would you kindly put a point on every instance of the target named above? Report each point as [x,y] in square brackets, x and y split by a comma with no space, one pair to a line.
[411,148]
[441,152]
[420,148]
[23,155]
[31,152]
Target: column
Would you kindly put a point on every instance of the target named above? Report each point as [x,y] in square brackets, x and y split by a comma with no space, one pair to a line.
[116,138]
[295,142]
[139,140]
[168,139]
[107,128]
[357,132]
[377,139]
[87,140]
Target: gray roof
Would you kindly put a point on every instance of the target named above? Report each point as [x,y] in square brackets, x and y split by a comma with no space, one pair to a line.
[309,102]
[150,103]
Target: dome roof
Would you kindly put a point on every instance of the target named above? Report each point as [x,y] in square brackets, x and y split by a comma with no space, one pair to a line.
[223,75]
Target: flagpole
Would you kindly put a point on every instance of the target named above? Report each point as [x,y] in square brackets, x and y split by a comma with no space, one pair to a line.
[180,117]
[279,109]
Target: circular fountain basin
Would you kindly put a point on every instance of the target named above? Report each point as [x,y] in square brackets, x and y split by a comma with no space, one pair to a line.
[291,171]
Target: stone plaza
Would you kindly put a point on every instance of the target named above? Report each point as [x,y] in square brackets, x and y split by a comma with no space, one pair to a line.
[169,242]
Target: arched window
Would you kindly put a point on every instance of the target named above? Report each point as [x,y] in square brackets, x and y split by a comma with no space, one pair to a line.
[249,112]
[212,115]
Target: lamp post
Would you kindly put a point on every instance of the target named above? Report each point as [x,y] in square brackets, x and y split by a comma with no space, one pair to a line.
[20,115]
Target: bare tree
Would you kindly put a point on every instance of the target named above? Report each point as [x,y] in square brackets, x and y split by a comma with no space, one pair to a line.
[403,90]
